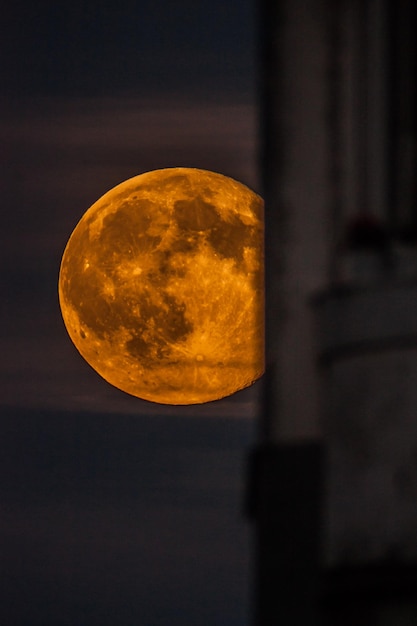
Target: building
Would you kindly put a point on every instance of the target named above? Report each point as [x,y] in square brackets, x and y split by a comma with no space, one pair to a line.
[335,474]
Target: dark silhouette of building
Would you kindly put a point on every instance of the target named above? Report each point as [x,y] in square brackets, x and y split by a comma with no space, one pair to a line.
[334,477]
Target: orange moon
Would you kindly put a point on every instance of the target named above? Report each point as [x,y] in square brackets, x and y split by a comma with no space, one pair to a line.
[161,286]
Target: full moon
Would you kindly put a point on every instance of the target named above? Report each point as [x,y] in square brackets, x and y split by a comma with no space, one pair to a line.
[161,286]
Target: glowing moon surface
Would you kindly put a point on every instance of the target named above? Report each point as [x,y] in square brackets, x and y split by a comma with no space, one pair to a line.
[161,286]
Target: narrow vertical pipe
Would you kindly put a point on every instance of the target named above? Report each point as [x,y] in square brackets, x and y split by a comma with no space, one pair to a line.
[377,105]
[271,23]
[361,27]
[335,106]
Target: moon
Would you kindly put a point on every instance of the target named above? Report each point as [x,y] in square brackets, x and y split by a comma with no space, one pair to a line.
[161,286]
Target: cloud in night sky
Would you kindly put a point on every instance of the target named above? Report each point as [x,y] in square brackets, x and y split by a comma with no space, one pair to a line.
[62,155]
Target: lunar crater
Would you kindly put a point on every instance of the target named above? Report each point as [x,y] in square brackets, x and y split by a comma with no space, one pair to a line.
[161,286]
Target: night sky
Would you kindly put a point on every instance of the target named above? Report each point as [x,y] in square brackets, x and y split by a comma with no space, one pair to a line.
[113,510]
[126,47]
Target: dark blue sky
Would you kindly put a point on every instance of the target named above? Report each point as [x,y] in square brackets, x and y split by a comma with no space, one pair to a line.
[110,519]
[113,510]
[127,47]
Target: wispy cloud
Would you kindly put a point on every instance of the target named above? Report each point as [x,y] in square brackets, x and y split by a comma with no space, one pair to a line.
[60,156]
